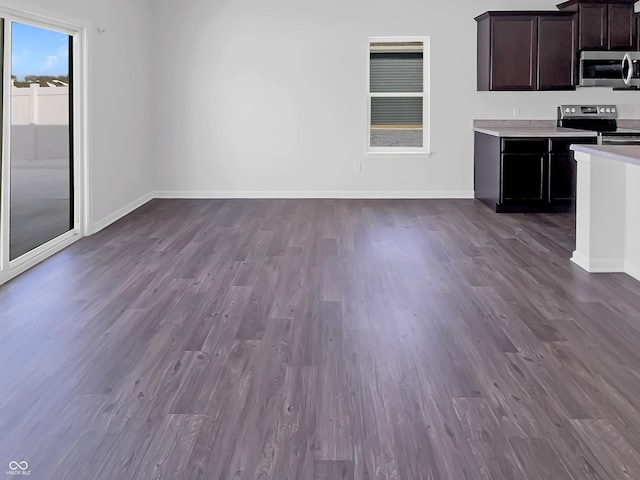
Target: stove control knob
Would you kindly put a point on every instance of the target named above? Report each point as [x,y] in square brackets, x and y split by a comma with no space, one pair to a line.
[608,110]
[613,110]
[573,110]
[602,110]
[567,110]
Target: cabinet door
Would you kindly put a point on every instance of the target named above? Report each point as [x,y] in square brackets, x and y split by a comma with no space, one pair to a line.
[593,26]
[523,177]
[556,52]
[621,28]
[637,16]
[513,52]
[562,168]
[562,177]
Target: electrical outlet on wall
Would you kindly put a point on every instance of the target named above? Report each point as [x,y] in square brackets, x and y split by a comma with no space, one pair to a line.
[516,111]
[358,167]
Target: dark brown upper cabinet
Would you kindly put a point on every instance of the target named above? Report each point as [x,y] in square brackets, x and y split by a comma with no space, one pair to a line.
[507,47]
[621,27]
[557,36]
[526,51]
[604,25]
[593,27]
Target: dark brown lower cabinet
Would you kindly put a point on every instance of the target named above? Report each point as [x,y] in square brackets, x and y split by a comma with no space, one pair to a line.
[523,170]
[526,174]
[562,169]
[562,173]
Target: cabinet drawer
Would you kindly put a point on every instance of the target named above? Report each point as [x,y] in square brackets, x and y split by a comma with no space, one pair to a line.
[563,145]
[532,146]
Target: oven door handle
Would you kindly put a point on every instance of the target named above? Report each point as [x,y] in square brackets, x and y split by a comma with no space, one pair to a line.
[627,60]
[623,140]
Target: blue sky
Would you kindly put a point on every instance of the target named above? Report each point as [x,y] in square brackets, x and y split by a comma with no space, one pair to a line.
[37,51]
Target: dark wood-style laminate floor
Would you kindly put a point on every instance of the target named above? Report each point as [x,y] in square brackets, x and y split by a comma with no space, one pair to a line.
[321,339]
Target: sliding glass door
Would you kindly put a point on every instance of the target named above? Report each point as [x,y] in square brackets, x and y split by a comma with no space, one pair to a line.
[43,130]
[41,201]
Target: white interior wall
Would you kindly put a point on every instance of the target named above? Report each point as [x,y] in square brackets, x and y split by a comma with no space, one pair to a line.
[119,98]
[265,98]
[261,98]
[632,212]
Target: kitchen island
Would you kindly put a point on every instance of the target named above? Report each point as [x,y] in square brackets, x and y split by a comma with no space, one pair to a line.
[608,208]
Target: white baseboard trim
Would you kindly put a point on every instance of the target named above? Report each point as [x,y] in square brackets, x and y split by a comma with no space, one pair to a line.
[335,194]
[632,269]
[598,265]
[272,194]
[580,260]
[117,215]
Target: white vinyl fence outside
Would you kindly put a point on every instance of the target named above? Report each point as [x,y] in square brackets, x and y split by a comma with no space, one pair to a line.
[39,122]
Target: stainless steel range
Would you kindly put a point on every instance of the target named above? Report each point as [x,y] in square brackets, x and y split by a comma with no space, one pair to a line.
[598,118]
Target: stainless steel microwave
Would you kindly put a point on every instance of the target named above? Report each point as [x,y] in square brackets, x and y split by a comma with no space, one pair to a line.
[609,69]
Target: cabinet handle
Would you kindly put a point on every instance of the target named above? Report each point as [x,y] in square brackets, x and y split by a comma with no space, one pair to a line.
[627,60]
[542,177]
[549,178]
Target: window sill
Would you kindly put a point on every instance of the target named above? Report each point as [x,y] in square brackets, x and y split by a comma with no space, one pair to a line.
[396,154]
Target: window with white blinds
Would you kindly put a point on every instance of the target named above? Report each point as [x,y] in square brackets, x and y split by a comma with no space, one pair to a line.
[398,94]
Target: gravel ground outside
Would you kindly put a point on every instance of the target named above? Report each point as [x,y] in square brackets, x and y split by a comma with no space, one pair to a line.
[396,138]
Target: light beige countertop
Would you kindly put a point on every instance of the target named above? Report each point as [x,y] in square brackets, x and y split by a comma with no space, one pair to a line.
[539,128]
[534,131]
[619,153]
[528,129]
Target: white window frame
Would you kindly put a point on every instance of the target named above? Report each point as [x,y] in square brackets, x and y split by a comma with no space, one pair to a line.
[78,30]
[425,150]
